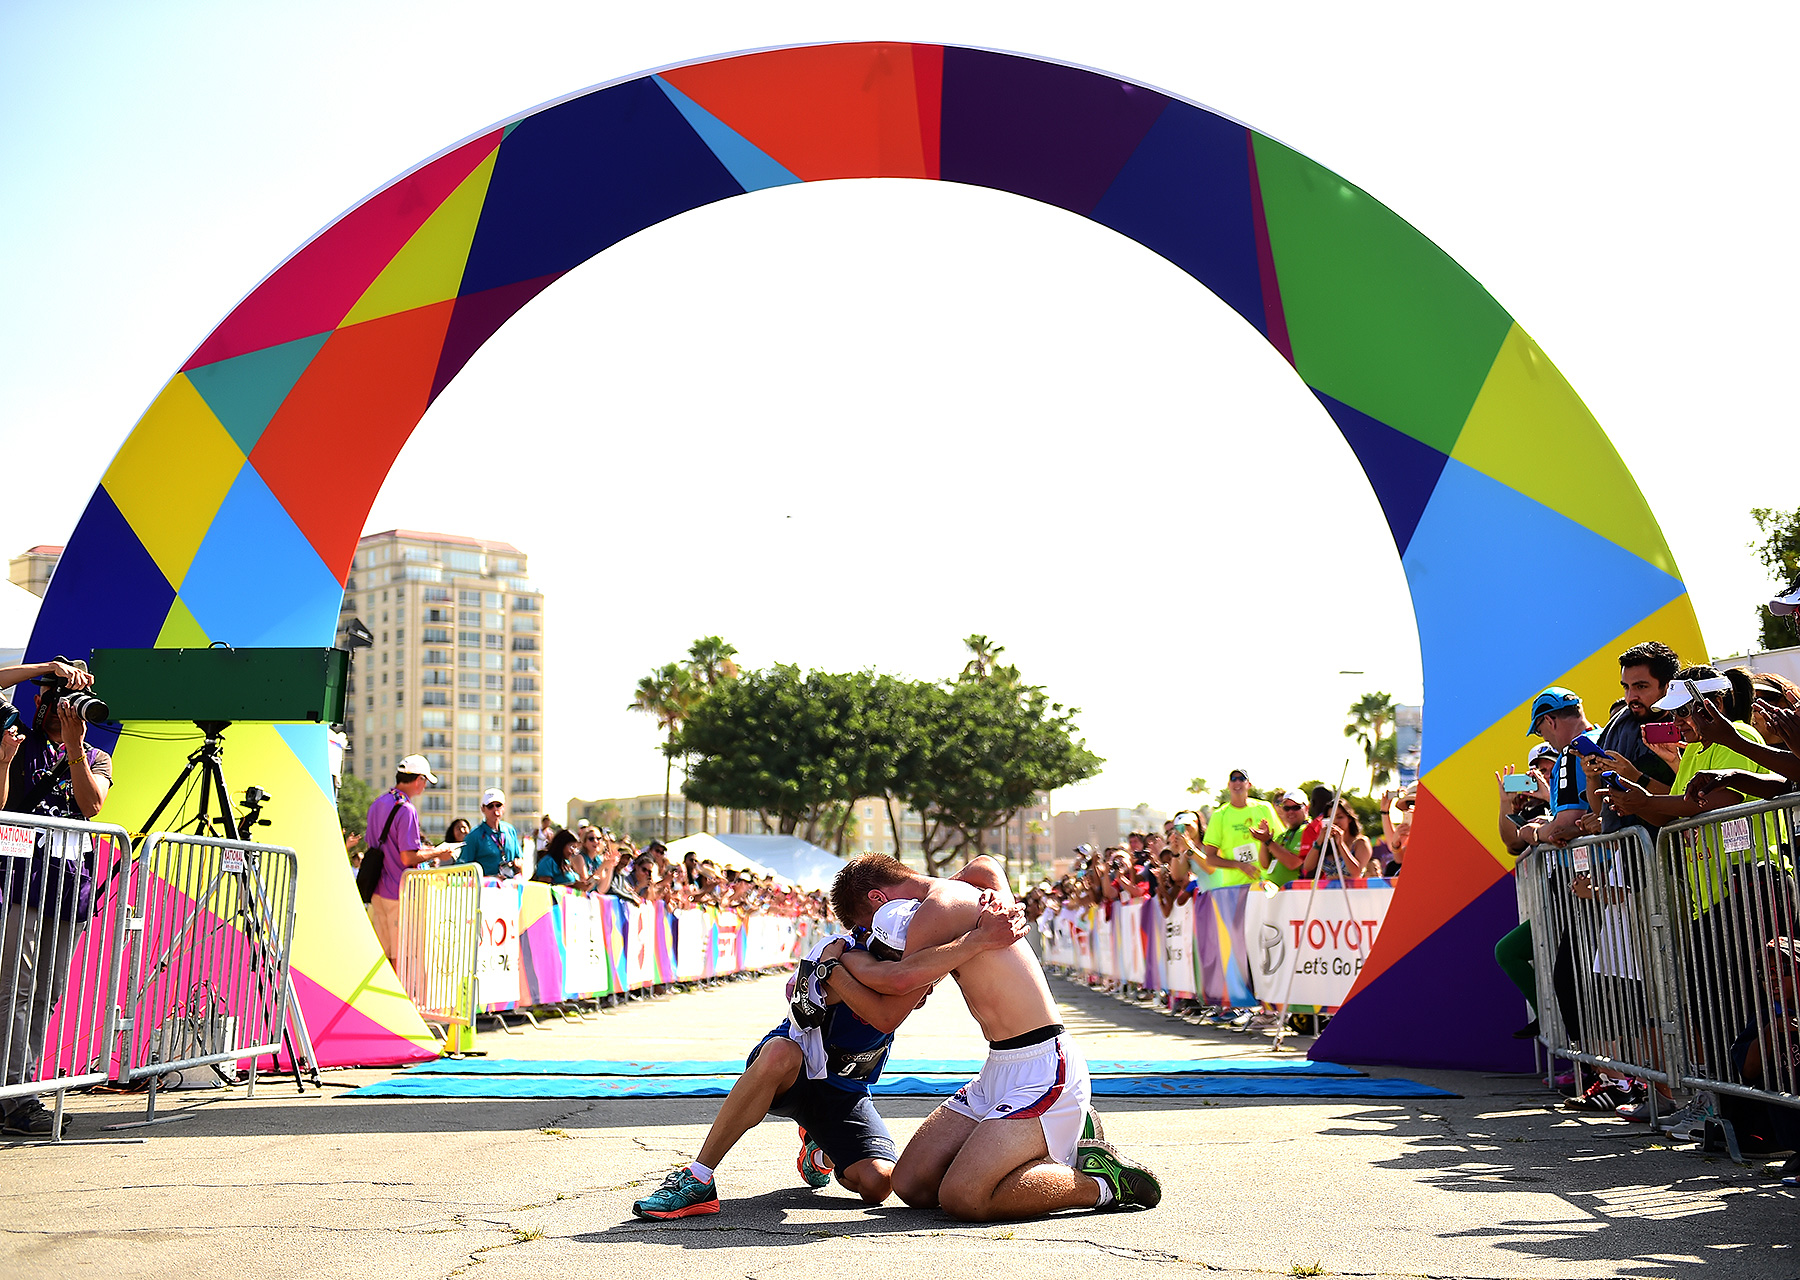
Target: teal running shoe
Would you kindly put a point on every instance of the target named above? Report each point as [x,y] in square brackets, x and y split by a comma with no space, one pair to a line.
[681,1195]
[1131,1183]
[814,1165]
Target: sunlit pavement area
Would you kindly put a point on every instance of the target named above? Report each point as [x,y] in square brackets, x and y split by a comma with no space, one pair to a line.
[1494,1184]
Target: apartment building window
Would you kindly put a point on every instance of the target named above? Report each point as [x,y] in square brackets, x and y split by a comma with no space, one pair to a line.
[468,762]
[468,680]
[525,724]
[468,561]
[437,635]
[525,704]
[493,702]
[435,595]
[434,677]
[524,786]
[493,661]
[434,719]
[528,603]
[525,622]
[436,802]
[525,664]
[434,698]
[525,684]
[468,782]
[467,658]
[435,658]
[520,644]
[506,564]
[497,642]
[524,764]
[469,639]
[494,682]
[431,740]
[469,598]
[468,699]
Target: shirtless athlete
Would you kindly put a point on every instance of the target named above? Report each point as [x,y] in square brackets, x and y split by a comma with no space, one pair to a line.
[1011,1142]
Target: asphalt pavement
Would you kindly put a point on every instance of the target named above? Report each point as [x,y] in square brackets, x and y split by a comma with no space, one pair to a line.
[1496,1183]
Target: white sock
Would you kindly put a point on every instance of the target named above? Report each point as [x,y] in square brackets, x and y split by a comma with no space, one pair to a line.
[1106,1195]
[700,1171]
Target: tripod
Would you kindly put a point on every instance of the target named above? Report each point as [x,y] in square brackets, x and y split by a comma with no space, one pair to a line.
[207,759]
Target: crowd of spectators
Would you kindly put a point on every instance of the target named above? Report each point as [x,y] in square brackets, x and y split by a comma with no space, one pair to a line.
[1245,840]
[1682,741]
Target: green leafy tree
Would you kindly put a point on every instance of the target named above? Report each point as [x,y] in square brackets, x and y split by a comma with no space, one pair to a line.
[988,749]
[666,694]
[1779,552]
[1370,716]
[710,664]
[353,800]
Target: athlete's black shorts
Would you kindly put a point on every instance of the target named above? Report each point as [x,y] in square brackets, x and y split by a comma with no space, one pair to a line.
[844,1124]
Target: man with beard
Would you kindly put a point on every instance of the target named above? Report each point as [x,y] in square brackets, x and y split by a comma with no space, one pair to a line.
[1644,673]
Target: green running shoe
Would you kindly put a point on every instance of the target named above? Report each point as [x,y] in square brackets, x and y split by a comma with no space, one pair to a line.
[812,1162]
[1131,1182]
[681,1195]
[1091,1128]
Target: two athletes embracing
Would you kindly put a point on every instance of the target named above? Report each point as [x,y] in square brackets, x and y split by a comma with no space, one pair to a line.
[1020,1140]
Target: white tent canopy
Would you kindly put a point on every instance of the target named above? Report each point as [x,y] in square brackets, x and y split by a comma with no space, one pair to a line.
[804,863]
[709,848]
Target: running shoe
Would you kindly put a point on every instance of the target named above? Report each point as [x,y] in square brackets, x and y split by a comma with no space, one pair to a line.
[1131,1183]
[1268,1022]
[1689,1123]
[1602,1095]
[681,1195]
[1091,1128]
[814,1165]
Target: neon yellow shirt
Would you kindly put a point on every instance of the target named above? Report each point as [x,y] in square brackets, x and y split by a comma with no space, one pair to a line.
[1229,834]
[1707,863]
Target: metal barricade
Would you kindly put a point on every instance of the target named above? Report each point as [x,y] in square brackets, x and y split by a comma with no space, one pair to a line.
[440,934]
[1602,952]
[1736,916]
[210,932]
[63,896]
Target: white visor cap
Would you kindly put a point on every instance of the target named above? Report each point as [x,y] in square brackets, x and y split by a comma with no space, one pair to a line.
[892,922]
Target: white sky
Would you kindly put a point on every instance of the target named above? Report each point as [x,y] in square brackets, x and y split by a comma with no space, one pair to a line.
[847,424]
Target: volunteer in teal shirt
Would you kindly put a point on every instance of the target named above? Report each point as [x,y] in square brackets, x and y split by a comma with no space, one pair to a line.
[493,845]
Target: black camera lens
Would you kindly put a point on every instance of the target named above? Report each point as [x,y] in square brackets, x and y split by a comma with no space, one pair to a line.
[88,707]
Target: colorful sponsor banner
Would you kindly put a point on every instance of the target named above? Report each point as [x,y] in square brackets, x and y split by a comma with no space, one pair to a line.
[541,944]
[1323,955]
[1231,946]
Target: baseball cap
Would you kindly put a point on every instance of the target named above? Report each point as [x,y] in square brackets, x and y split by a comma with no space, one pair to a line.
[1788,601]
[490,795]
[1555,698]
[1235,774]
[892,921]
[418,765]
[1538,752]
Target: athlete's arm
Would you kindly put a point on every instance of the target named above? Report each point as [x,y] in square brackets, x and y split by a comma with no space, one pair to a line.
[884,1013]
[985,873]
[953,935]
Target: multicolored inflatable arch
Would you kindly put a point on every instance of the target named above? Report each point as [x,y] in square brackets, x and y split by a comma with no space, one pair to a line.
[232,511]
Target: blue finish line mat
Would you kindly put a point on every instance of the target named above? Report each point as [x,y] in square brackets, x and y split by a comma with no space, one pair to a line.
[965,1068]
[414,1085]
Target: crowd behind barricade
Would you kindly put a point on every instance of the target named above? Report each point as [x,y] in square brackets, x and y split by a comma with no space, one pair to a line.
[586,860]
[1296,839]
[1614,826]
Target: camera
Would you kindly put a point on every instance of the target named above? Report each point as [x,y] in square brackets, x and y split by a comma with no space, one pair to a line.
[9,715]
[56,691]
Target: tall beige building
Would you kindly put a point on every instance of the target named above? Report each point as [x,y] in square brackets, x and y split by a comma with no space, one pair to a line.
[456,672]
[32,569]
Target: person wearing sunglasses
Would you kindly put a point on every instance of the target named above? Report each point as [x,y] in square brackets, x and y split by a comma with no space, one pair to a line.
[1281,854]
[1228,847]
[493,845]
[1697,695]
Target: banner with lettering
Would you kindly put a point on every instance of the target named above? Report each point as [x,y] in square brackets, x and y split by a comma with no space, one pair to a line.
[1321,956]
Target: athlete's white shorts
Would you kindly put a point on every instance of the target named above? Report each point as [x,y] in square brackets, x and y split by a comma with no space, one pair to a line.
[1048,1081]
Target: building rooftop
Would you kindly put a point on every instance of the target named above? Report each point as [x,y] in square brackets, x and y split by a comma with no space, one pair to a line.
[416,535]
[43,550]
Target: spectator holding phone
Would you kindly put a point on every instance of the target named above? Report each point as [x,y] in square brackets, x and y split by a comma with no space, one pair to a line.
[1557,718]
[1697,695]
[1641,744]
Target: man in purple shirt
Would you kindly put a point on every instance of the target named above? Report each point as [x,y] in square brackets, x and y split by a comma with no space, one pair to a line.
[392,835]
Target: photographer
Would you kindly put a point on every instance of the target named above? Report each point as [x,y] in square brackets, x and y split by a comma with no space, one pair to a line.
[49,770]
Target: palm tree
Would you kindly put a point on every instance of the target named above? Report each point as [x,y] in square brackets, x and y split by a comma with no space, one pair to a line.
[709,664]
[666,694]
[985,663]
[1370,716]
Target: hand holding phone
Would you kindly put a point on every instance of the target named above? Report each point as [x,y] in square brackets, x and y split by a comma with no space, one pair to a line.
[1662,731]
[1519,783]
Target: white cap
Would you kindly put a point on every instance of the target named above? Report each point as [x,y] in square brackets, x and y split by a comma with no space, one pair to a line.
[1788,601]
[418,765]
[490,795]
[1677,696]
[1542,749]
[892,921]
[1291,796]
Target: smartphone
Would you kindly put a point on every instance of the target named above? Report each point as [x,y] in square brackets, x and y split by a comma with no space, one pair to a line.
[1611,780]
[1517,783]
[1662,731]
[1585,746]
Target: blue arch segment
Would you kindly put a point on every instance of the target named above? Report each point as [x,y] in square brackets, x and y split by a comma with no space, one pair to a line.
[1185,194]
[1589,590]
[254,541]
[753,168]
[583,175]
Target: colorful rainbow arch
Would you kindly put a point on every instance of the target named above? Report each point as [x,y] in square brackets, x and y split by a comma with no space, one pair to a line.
[225,517]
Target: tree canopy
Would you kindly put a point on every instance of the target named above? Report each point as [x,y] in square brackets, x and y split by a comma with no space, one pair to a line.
[1779,551]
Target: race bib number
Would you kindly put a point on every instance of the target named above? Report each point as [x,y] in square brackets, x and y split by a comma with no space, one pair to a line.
[1245,853]
[16,842]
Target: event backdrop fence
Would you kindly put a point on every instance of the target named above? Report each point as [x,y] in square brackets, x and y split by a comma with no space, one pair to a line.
[541,944]
[1236,946]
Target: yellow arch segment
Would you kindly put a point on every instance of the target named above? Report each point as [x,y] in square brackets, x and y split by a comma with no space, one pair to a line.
[1465,782]
[335,947]
[180,630]
[429,268]
[1530,431]
[171,475]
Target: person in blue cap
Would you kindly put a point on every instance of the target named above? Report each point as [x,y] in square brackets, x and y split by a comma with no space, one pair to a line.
[1557,718]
